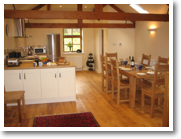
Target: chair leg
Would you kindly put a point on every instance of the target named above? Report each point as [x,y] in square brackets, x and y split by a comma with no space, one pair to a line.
[152,107]
[112,91]
[107,86]
[118,96]
[102,84]
[142,101]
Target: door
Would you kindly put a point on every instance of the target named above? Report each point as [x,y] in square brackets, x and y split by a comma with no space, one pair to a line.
[31,83]
[66,82]
[49,83]
[13,80]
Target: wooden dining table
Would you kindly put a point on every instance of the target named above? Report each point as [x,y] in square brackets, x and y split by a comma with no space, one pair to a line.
[132,75]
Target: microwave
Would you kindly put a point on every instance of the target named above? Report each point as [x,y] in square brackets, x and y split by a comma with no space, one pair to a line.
[40,50]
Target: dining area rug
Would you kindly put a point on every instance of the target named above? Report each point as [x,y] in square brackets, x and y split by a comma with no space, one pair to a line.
[85,119]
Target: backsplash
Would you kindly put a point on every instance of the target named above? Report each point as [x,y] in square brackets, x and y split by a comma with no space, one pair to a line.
[23,49]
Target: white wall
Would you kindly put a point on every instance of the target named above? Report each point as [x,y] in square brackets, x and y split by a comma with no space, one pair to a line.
[156,44]
[124,36]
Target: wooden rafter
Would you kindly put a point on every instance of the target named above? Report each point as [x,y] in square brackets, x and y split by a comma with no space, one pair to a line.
[119,10]
[36,14]
[77,25]
[98,7]
[48,6]
[79,8]
[38,7]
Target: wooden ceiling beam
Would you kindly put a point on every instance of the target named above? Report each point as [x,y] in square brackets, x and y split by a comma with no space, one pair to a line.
[43,14]
[119,10]
[116,8]
[77,25]
[38,7]
[79,8]
[48,6]
[98,7]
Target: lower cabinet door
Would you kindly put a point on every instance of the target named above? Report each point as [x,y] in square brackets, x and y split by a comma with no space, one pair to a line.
[13,80]
[49,83]
[31,83]
[66,82]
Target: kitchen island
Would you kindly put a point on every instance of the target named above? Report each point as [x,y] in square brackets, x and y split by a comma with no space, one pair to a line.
[45,84]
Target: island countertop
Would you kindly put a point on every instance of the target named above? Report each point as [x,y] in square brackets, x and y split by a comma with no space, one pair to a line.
[29,65]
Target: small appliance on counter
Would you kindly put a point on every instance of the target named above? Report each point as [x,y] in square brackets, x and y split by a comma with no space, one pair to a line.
[13,62]
[14,54]
[39,50]
[30,50]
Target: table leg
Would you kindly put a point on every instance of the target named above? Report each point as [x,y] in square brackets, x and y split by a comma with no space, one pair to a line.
[132,91]
[23,102]
[19,110]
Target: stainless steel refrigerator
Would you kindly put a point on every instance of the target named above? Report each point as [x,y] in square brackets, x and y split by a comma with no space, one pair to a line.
[53,47]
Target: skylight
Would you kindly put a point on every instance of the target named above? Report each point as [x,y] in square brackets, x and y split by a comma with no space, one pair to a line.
[138,8]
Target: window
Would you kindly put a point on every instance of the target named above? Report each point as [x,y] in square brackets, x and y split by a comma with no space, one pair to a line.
[73,36]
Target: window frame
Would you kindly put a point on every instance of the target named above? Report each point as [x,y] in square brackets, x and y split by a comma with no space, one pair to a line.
[72,36]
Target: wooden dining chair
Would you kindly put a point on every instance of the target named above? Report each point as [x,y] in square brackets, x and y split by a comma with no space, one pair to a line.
[162,60]
[14,97]
[155,91]
[105,75]
[116,82]
[147,58]
[108,70]
[160,81]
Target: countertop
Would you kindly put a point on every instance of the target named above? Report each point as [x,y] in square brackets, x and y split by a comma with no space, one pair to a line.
[29,65]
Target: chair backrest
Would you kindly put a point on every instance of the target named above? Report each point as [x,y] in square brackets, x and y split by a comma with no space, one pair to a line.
[146,57]
[103,63]
[162,60]
[115,70]
[111,55]
[158,69]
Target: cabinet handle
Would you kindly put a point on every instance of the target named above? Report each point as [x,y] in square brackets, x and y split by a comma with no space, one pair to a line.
[59,74]
[20,76]
[55,75]
[24,76]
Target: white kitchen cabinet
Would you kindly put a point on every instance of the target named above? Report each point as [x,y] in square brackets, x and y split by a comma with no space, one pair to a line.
[28,80]
[31,84]
[66,82]
[58,82]
[49,83]
[46,85]
[13,80]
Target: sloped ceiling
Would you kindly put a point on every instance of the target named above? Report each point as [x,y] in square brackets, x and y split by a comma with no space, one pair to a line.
[123,12]
[151,8]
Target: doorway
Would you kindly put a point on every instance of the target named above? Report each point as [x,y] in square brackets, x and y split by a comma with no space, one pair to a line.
[101,48]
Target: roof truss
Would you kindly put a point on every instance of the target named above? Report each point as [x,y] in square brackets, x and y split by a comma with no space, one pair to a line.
[80,15]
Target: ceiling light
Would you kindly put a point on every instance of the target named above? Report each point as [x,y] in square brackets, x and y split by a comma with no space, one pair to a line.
[138,8]
[60,5]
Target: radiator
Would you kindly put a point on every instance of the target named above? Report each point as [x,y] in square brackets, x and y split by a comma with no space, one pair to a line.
[77,60]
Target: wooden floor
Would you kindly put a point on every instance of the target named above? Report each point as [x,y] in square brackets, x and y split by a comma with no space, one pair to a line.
[90,97]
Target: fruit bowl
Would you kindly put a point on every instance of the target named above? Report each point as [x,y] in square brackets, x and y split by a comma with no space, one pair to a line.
[46,62]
